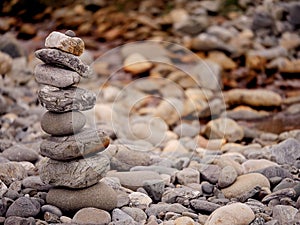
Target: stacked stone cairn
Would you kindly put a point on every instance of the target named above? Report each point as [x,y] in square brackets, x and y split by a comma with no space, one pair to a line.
[74,158]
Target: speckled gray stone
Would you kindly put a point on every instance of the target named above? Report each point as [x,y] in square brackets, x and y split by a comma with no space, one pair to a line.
[64,100]
[60,58]
[79,173]
[55,76]
[86,142]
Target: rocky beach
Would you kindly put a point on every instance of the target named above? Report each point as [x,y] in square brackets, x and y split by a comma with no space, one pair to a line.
[150,112]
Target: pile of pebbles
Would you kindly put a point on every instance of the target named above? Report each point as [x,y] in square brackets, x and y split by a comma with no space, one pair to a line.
[230,157]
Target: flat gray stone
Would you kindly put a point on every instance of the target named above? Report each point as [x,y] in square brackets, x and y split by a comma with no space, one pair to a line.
[156,209]
[79,173]
[73,45]
[99,196]
[124,158]
[60,58]
[135,179]
[286,152]
[136,213]
[60,124]
[55,76]
[19,152]
[81,144]
[64,100]
[204,206]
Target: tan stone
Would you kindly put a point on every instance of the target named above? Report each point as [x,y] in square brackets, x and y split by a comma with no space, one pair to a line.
[136,64]
[244,184]
[65,43]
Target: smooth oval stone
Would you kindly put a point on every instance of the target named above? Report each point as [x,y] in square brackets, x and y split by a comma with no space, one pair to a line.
[91,216]
[245,183]
[233,214]
[64,100]
[60,124]
[70,147]
[99,196]
[55,76]
[20,153]
[60,58]
[79,173]
[73,45]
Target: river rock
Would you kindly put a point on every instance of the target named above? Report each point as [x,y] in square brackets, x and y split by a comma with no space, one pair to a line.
[20,153]
[123,218]
[204,206]
[64,100]
[55,76]
[91,216]
[224,128]
[73,45]
[154,188]
[11,171]
[60,58]
[284,214]
[60,124]
[78,173]
[17,220]
[123,158]
[253,97]
[99,196]
[134,179]
[136,64]
[137,214]
[244,184]
[207,74]
[36,183]
[286,152]
[188,175]
[227,176]
[86,142]
[252,165]
[233,214]
[156,209]
[184,220]
[24,207]
[5,63]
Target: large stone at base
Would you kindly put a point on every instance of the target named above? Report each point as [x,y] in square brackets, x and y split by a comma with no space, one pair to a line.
[99,196]
[70,147]
[63,100]
[79,173]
